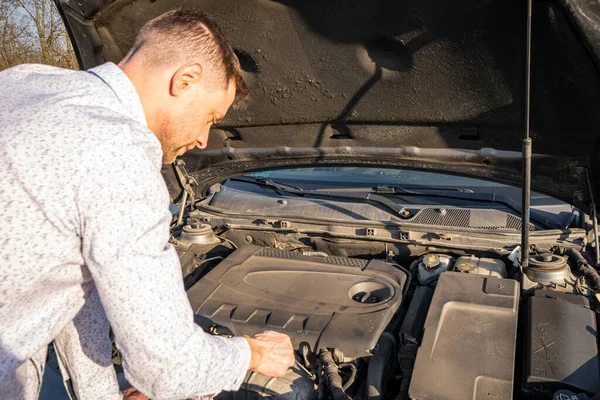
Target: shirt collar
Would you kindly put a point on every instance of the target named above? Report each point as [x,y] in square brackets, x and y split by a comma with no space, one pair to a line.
[123,88]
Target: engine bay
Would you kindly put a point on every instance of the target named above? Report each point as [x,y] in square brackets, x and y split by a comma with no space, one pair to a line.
[372,324]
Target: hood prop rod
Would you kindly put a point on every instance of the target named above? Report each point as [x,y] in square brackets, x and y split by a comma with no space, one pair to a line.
[526,150]
[595,220]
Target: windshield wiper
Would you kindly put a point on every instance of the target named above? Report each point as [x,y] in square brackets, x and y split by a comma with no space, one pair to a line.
[368,197]
[264,182]
[400,189]
[375,196]
[477,197]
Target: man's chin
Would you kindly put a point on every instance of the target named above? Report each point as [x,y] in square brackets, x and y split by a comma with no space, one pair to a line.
[169,158]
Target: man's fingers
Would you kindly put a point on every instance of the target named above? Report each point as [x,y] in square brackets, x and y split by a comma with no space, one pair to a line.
[272,335]
[273,353]
[133,394]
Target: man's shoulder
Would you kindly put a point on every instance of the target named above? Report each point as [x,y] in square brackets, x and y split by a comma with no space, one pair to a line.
[71,113]
[30,88]
[26,71]
[66,102]
[35,68]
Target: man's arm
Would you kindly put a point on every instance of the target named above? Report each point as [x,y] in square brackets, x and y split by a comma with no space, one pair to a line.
[125,226]
[84,352]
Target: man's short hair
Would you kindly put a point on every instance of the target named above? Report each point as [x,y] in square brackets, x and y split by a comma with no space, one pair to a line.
[183,35]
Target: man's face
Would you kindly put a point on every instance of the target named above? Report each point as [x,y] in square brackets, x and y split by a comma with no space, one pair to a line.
[193,113]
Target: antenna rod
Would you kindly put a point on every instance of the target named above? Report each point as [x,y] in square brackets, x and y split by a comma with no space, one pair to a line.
[526,152]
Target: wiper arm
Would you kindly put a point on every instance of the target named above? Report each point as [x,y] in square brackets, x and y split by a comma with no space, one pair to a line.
[479,197]
[264,182]
[400,189]
[466,194]
[375,196]
[368,197]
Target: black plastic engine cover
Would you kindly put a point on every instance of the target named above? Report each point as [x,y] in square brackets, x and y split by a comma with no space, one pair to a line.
[468,348]
[324,301]
[561,344]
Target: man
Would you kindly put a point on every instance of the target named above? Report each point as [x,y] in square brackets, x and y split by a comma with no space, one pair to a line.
[85,221]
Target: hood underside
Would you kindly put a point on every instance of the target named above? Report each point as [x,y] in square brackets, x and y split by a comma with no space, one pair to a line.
[393,75]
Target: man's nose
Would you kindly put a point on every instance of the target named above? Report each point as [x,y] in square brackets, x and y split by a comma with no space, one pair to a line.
[202,140]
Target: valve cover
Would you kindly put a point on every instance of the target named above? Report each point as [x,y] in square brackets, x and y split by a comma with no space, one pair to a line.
[324,301]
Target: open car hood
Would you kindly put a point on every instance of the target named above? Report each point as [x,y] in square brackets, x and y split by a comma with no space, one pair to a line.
[420,83]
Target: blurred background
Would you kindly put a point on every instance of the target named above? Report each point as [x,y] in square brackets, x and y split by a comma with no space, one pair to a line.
[31,31]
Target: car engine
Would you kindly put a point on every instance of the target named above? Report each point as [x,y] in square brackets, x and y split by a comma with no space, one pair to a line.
[439,325]
[351,301]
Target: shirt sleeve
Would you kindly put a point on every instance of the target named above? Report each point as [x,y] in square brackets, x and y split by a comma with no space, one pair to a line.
[124,222]
[84,351]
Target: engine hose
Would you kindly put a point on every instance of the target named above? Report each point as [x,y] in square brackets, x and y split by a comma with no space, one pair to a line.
[583,267]
[352,376]
[407,354]
[320,383]
[332,375]
[379,364]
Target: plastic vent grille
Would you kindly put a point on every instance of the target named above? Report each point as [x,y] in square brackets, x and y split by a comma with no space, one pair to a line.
[465,218]
[276,253]
[347,262]
[452,217]
[513,222]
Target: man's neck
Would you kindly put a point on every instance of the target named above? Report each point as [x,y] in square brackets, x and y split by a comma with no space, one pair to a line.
[146,89]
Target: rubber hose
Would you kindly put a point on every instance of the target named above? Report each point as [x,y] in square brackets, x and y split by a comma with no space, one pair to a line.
[378,365]
[352,376]
[332,373]
[320,383]
[583,267]
[406,357]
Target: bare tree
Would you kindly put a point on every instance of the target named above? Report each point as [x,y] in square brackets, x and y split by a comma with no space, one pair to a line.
[13,47]
[32,31]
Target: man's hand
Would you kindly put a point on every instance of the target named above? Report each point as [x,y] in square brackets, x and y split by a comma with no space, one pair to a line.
[272,353]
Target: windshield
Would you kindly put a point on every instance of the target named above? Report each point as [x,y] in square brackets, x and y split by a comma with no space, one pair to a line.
[410,188]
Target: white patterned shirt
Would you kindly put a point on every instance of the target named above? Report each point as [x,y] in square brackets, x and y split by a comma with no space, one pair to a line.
[84,209]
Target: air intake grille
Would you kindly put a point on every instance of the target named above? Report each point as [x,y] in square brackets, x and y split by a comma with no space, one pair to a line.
[276,253]
[465,218]
[348,262]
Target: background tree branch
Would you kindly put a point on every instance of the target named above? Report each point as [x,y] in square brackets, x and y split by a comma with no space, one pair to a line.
[31,31]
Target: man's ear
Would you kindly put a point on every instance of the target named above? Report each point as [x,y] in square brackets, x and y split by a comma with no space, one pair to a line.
[183,79]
